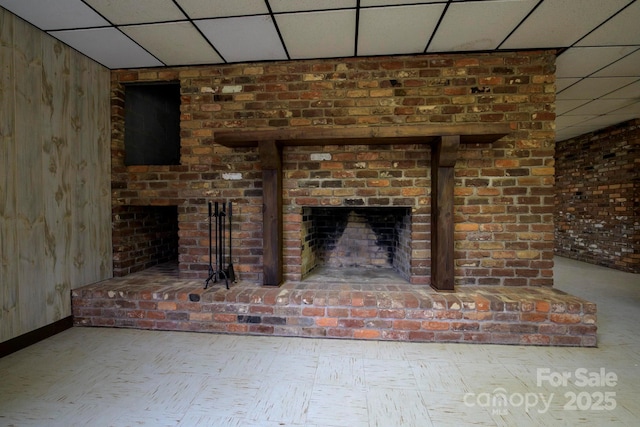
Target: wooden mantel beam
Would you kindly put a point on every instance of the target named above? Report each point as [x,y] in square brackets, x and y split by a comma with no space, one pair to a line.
[418,134]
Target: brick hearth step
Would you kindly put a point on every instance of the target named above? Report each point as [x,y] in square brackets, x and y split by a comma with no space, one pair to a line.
[403,312]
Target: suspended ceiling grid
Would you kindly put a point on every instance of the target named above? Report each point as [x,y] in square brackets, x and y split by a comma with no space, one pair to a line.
[598,69]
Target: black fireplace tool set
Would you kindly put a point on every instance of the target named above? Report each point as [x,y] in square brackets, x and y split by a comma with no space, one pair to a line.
[219,273]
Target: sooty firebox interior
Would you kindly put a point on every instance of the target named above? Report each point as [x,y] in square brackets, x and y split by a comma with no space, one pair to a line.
[368,239]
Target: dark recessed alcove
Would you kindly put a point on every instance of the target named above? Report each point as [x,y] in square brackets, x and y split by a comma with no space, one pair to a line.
[144,236]
[152,124]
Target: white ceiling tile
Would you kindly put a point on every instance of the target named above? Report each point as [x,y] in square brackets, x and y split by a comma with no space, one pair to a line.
[627,66]
[302,5]
[591,126]
[396,30]
[629,91]
[563,83]
[593,88]
[566,133]
[584,61]
[478,26]
[629,112]
[122,12]
[564,106]
[177,43]
[318,34]
[623,28]
[55,14]
[366,3]
[108,46]
[565,121]
[600,122]
[197,9]
[249,38]
[559,23]
[631,109]
[600,106]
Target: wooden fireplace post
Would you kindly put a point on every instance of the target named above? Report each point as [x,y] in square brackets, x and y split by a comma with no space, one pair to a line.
[443,159]
[271,160]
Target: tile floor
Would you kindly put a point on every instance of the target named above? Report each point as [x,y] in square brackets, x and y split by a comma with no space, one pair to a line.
[118,377]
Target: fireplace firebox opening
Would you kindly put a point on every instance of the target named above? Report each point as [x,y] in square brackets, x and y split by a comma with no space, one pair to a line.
[371,240]
[143,237]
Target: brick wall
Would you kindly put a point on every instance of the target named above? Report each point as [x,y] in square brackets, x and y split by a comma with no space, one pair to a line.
[597,212]
[504,191]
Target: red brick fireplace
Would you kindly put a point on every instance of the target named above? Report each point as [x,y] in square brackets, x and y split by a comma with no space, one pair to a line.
[503,191]
[458,150]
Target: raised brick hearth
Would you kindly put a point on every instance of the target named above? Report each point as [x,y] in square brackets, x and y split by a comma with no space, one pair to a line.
[157,299]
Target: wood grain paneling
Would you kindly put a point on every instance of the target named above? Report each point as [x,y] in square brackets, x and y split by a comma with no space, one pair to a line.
[55,222]
[8,235]
[29,134]
[57,175]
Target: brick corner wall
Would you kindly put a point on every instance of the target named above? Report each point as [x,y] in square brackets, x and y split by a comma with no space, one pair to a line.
[597,209]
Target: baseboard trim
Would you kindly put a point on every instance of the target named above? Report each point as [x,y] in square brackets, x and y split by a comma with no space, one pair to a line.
[30,338]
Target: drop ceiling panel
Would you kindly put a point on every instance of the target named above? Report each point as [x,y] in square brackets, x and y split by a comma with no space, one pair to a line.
[197,9]
[109,47]
[627,66]
[176,43]
[593,126]
[575,131]
[585,127]
[318,34]
[122,12]
[251,38]
[401,29]
[603,121]
[564,121]
[366,3]
[629,91]
[631,109]
[302,5]
[623,28]
[584,61]
[564,106]
[564,22]
[55,15]
[563,83]
[478,26]
[566,133]
[600,39]
[600,106]
[595,87]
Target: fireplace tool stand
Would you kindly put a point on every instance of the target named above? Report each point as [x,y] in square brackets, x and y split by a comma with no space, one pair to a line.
[219,273]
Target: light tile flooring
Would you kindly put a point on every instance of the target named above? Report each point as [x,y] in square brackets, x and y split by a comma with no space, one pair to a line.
[112,377]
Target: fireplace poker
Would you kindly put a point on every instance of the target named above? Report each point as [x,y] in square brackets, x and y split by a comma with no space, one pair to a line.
[220,273]
[232,274]
[211,270]
[221,234]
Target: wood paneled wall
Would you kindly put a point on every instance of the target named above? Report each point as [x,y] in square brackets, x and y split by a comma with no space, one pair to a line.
[55,204]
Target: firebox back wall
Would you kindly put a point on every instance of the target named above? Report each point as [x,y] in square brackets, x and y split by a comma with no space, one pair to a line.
[504,191]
